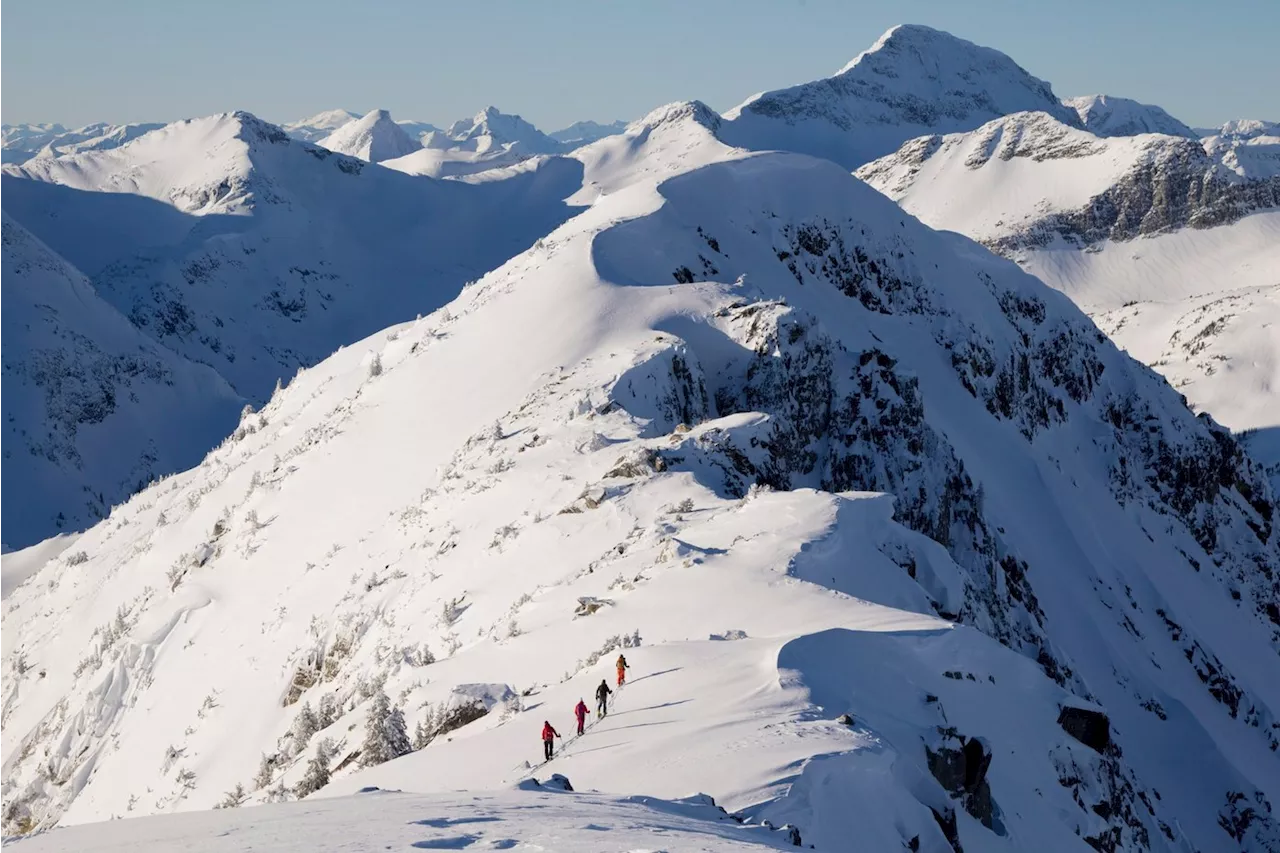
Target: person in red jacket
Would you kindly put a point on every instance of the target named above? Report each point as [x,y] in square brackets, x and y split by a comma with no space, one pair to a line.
[580,711]
[548,739]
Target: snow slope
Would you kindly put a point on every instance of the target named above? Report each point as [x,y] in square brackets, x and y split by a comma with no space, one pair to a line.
[1104,115]
[93,408]
[913,80]
[373,138]
[527,819]
[716,366]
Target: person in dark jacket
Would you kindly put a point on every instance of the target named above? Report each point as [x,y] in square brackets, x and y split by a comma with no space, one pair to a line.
[580,711]
[602,698]
[548,739]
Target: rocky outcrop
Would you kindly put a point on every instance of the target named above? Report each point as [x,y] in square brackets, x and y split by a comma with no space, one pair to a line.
[1089,727]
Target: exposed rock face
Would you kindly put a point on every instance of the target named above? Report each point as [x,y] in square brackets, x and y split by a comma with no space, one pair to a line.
[1180,186]
[1091,728]
[960,765]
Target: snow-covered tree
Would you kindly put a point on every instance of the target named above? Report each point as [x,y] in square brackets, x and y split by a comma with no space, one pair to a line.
[329,711]
[385,736]
[266,770]
[317,775]
[305,725]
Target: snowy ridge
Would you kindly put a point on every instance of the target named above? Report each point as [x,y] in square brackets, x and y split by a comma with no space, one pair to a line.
[373,138]
[914,80]
[1104,115]
[741,351]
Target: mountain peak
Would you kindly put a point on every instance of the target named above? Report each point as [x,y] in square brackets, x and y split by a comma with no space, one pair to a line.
[1105,115]
[373,137]
[693,111]
[902,36]
[491,128]
[913,81]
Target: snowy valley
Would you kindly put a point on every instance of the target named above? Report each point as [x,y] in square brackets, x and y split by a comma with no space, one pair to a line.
[904,552]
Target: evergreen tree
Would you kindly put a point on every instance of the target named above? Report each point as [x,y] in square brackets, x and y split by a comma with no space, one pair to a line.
[385,736]
[305,725]
[317,775]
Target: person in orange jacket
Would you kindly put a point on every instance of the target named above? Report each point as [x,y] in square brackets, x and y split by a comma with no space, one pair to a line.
[548,739]
[580,711]
[622,669]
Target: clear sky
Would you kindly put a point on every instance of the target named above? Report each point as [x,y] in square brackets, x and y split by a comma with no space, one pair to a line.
[557,61]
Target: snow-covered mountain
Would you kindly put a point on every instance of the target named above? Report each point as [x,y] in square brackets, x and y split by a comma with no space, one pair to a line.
[583,132]
[488,140]
[1246,128]
[320,125]
[1104,115]
[655,432]
[22,142]
[491,128]
[373,138]
[913,80]
[93,408]
[1164,239]
[172,239]
[237,247]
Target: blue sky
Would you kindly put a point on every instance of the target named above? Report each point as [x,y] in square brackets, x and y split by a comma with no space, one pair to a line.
[77,61]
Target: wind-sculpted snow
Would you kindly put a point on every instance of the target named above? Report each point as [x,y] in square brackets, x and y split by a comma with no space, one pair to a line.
[716,362]
[914,80]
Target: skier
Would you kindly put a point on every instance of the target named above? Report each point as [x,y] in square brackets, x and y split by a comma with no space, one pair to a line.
[580,711]
[602,698]
[622,669]
[548,739]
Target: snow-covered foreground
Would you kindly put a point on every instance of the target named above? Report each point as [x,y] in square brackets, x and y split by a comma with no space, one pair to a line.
[702,380]
[527,819]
